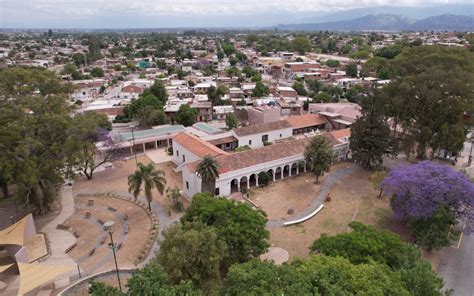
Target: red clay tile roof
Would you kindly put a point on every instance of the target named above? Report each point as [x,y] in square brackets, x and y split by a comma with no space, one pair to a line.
[240,160]
[307,120]
[339,134]
[197,146]
[132,89]
[261,128]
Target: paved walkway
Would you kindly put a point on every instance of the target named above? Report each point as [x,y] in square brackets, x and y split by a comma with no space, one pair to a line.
[318,200]
[60,240]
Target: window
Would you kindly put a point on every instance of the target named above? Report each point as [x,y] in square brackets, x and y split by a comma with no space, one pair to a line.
[184,158]
[250,142]
[217,192]
[265,138]
[187,185]
[177,153]
[281,135]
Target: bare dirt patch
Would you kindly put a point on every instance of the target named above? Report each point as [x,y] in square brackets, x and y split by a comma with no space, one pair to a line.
[352,199]
[114,180]
[92,236]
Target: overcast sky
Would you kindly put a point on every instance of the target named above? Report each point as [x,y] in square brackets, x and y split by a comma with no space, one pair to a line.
[176,13]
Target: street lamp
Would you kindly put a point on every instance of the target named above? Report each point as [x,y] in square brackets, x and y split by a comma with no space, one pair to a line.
[133,142]
[109,228]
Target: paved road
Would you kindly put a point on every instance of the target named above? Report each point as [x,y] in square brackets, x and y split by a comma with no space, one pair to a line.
[318,200]
[457,267]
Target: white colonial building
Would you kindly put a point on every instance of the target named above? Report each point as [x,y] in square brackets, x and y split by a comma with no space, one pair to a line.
[257,135]
[240,170]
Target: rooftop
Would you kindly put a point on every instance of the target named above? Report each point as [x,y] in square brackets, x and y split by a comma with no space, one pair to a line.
[237,161]
[155,132]
[261,128]
[197,146]
[307,120]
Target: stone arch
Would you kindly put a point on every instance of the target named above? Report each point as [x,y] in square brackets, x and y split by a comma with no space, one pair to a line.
[243,183]
[234,186]
[278,173]
[253,180]
[294,169]
[286,171]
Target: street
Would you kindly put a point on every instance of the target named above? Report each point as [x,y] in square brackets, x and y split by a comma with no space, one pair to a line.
[457,266]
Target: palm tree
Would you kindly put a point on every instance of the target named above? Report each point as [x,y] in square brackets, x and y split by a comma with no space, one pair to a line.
[150,177]
[208,170]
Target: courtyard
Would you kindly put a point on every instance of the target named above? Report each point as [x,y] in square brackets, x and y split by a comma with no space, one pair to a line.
[352,198]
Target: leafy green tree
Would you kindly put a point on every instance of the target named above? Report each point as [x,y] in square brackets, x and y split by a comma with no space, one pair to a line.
[101,289]
[88,129]
[434,232]
[431,93]
[153,280]
[333,63]
[301,44]
[322,97]
[240,226]
[149,116]
[319,155]
[300,89]
[260,90]
[371,138]
[192,252]
[249,71]
[208,171]
[133,110]
[186,115]
[231,121]
[174,195]
[34,131]
[389,52]
[325,275]
[150,178]
[97,72]
[253,278]
[360,55]
[351,70]
[264,178]
[365,245]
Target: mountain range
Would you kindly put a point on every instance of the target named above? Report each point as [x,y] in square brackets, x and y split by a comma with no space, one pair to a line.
[389,22]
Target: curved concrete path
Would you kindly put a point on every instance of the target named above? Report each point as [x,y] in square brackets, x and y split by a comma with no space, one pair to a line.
[60,240]
[318,200]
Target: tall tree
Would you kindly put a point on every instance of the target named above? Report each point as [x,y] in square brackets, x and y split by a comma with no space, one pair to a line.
[319,155]
[240,226]
[231,121]
[371,138]
[208,171]
[301,44]
[88,130]
[33,135]
[431,95]
[365,245]
[186,115]
[192,252]
[149,177]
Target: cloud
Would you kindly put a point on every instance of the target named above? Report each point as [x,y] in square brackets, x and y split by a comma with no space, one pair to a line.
[73,11]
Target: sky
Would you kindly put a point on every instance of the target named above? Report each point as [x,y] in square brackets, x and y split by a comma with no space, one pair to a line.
[178,13]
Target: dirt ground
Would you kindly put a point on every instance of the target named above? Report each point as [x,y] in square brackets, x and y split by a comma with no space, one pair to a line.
[292,193]
[115,180]
[352,199]
[91,233]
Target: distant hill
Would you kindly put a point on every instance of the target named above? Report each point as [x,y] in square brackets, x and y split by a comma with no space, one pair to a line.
[445,22]
[417,13]
[389,22]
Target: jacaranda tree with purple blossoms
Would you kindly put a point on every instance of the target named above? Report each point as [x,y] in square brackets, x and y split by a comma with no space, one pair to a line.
[426,195]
